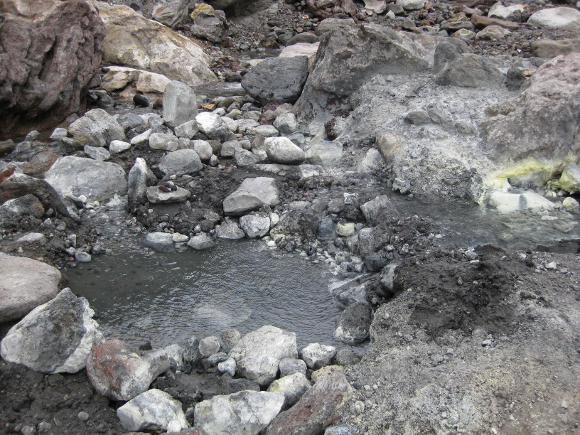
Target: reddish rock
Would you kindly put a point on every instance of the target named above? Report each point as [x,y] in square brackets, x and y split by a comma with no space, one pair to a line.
[121,374]
[6,170]
[46,63]
[39,163]
[480,22]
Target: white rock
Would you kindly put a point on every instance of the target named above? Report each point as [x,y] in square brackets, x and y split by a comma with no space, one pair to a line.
[255,225]
[118,146]
[252,194]
[570,204]
[203,149]
[228,366]
[292,387]
[163,141]
[317,353]
[283,150]
[411,5]
[212,125]
[201,242]
[556,18]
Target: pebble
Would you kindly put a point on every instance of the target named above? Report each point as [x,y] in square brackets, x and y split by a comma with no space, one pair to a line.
[83,416]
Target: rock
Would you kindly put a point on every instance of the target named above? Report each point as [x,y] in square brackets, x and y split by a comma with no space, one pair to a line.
[570,178]
[139,177]
[152,410]
[372,162]
[82,257]
[213,126]
[279,79]
[55,337]
[314,409]
[244,158]
[39,163]
[511,12]
[209,346]
[445,53]
[230,337]
[325,153]
[411,5]
[379,210]
[472,71]
[556,18]
[201,241]
[317,355]
[540,121]
[388,287]
[132,40]
[170,12]
[492,33]
[286,123]
[188,129]
[229,148]
[27,205]
[301,38]
[179,104]
[96,128]
[180,162]
[121,374]
[479,21]
[157,196]
[228,366]
[331,24]
[549,48]
[222,4]
[305,44]
[48,59]
[163,141]
[229,230]
[289,366]
[264,130]
[24,285]
[97,153]
[159,242]
[354,323]
[79,176]
[208,23]
[203,150]
[32,238]
[377,6]
[255,225]
[347,357]
[252,194]
[292,387]
[243,413]
[118,146]
[570,204]
[283,150]
[259,352]
[513,202]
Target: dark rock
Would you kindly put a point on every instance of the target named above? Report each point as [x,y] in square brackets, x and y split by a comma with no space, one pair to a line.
[471,71]
[354,323]
[141,100]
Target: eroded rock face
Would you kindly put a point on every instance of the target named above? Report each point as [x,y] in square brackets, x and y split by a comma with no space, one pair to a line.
[49,55]
[55,337]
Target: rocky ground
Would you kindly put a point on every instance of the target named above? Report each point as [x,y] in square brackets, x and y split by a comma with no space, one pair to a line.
[463,341]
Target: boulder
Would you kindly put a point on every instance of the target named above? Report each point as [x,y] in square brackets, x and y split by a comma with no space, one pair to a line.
[48,58]
[259,352]
[472,71]
[570,178]
[492,33]
[317,355]
[139,177]
[159,242]
[289,366]
[292,387]
[550,48]
[325,153]
[252,194]
[208,23]
[201,241]
[163,141]
[377,6]
[170,12]
[243,413]
[321,402]
[511,12]
[158,196]
[79,176]
[279,79]
[96,128]
[134,41]
[55,337]
[556,18]
[379,211]
[213,126]
[24,285]
[180,162]
[121,374]
[354,323]
[229,230]
[27,205]
[153,410]
[255,225]
[283,150]
[179,104]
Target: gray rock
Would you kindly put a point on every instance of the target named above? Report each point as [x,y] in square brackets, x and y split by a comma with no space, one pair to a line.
[354,323]
[347,357]
[179,104]
[156,196]
[377,6]
[32,238]
[180,162]
[152,410]
[283,150]
[388,287]
[163,141]
[342,430]
[492,33]
[326,229]
[175,354]
[96,128]
[556,18]
[448,51]
[348,292]
[79,176]
[213,126]
[472,71]
[278,79]
[570,178]
[331,24]
[549,48]
[139,177]
[289,366]
[170,12]
[230,337]
[324,153]
[159,242]
[380,210]
[191,353]
[245,158]
[252,194]
[201,242]
[97,153]
[292,387]
[203,150]
[228,366]
[118,146]
[83,257]
[259,352]
[188,129]
[317,355]
[209,346]
[373,161]
[255,225]
[27,205]
[243,413]
[208,23]
[264,130]
[229,230]
[229,148]
[411,5]
[505,13]
[286,123]
[55,337]
[121,374]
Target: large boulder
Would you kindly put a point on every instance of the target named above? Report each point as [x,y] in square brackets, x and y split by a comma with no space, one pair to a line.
[538,130]
[121,374]
[279,79]
[137,42]
[96,128]
[79,176]
[259,352]
[252,194]
[55,337]
[243,413]
[24,285]
[49,55]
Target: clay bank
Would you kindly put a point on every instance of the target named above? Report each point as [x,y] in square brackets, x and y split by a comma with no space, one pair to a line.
[414,164]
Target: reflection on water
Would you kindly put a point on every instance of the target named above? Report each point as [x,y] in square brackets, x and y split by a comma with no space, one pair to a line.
[166,298]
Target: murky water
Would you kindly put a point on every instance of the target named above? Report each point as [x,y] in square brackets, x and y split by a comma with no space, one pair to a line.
[166,298]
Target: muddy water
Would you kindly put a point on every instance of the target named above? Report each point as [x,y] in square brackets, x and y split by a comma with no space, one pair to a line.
[166,298]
